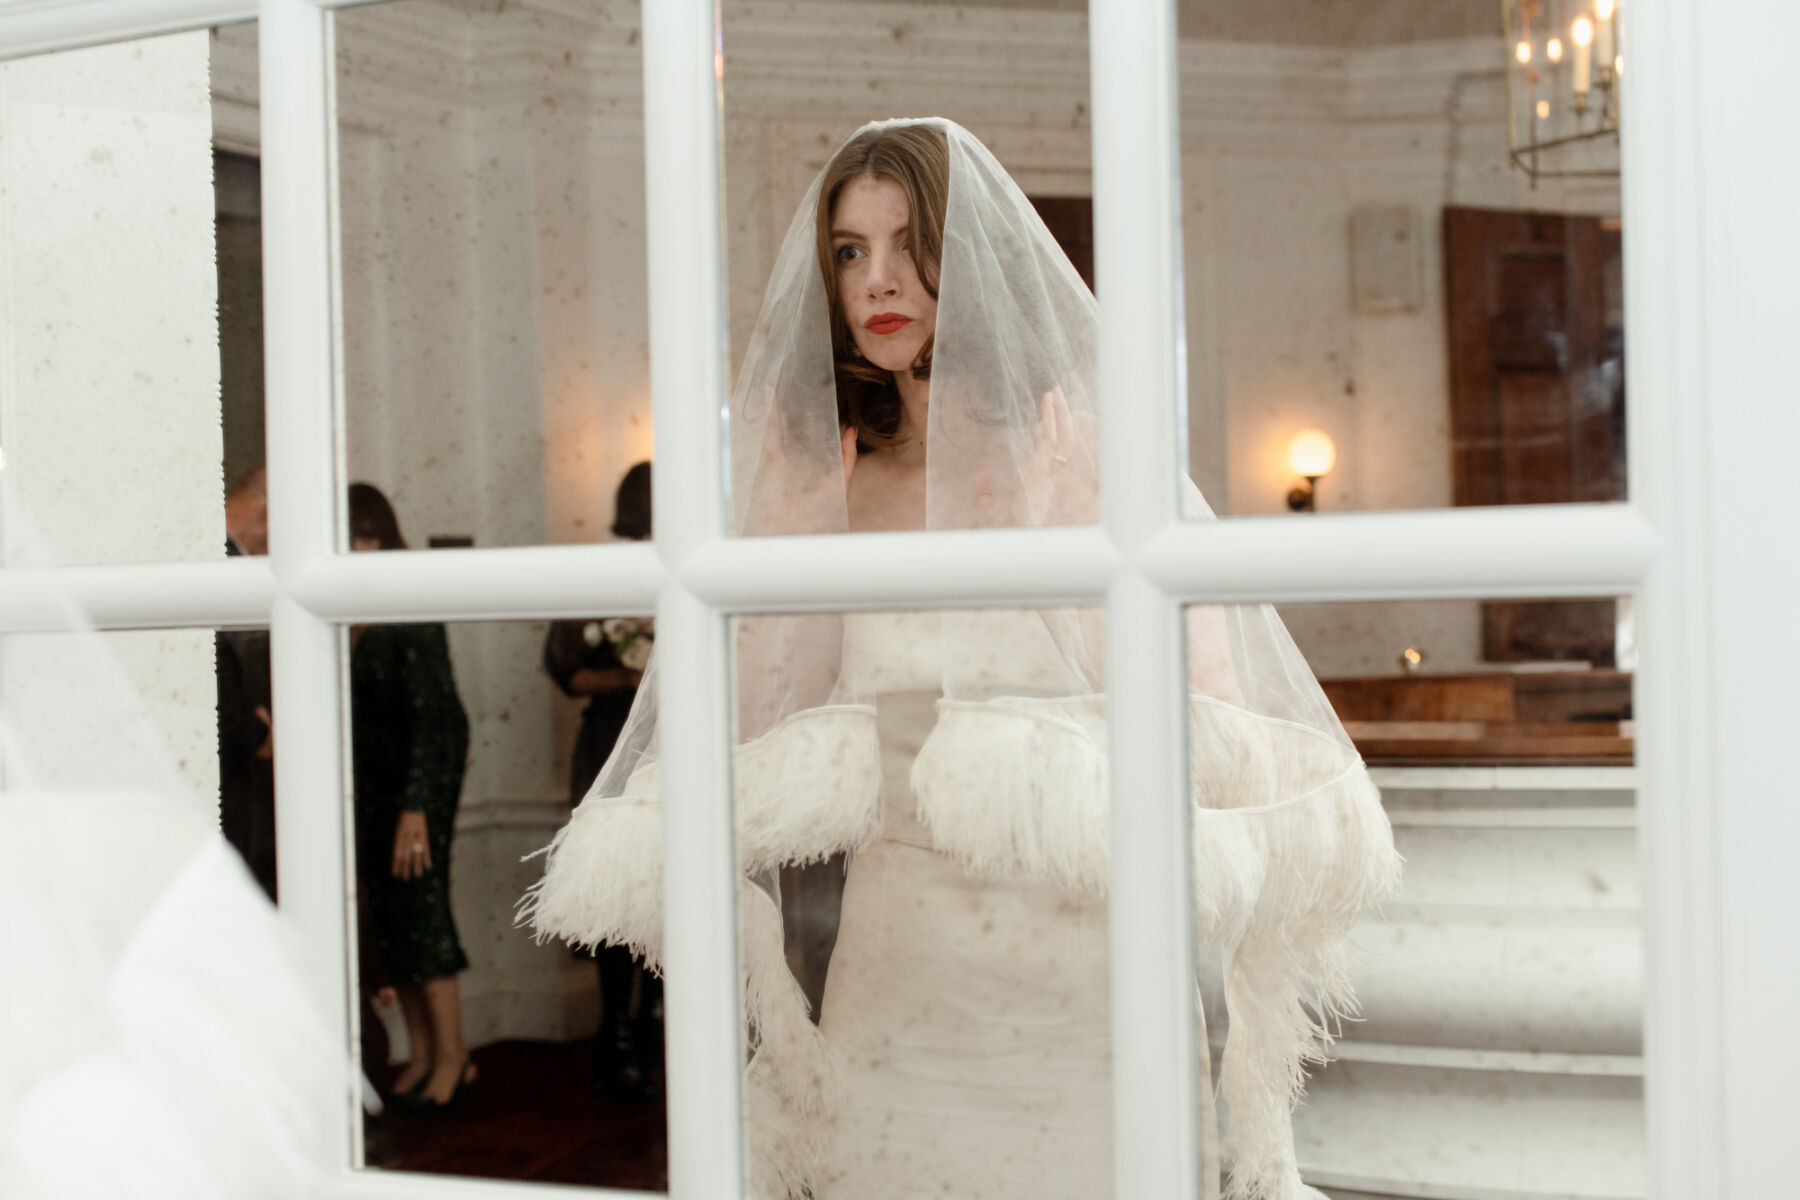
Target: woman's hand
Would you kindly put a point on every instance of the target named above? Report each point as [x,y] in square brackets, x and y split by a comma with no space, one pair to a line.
[412,852]
[1052,442]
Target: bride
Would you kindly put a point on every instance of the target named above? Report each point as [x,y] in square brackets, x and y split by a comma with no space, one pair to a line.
[925,359]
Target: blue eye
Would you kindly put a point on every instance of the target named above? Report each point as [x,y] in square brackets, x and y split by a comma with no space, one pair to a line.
[847,252]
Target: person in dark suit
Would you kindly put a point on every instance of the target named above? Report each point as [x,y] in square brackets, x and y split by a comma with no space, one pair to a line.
[246,703]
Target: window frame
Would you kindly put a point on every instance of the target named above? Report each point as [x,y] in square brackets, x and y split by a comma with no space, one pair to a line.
[1143,562]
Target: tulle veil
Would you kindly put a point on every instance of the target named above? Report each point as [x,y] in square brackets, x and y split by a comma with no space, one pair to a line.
[1290,841]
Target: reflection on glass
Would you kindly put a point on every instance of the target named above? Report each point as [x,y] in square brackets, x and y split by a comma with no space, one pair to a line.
[498,1057]
[921,807]
[410,745]
[1498,1041]
[491,192]
[1363,258]
[461,749]
[123,333]
[923,364]
[924,280]
[247,750]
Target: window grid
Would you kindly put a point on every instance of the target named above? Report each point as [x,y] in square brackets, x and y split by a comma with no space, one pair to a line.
[1137,252]
[1487,553]
[702,1010]
[1146,562]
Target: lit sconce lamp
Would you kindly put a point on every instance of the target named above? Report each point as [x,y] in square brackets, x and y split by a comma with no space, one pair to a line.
[1311,455]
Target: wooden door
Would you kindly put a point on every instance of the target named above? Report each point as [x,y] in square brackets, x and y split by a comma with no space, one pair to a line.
[1537,393]
[1070,220]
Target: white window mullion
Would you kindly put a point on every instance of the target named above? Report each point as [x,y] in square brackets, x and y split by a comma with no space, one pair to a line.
[406,1185]
[44,28]
[1540,550]
[1137,248]
[702,1010]
[834,572]
[515,583]
[1677,836]
[298,262]
[1709,311]
[238,591]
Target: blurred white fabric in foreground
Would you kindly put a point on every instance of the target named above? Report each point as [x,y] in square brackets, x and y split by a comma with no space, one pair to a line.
[157,1038]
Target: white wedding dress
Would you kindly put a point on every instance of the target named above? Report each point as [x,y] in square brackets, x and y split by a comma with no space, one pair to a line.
[961,760]
[969,1014]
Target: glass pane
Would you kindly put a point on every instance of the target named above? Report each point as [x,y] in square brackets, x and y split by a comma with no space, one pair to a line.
[469,745]
[146,973]
[1385,308]
[1495,977]
[147,696]
[491,206]
[922,810]
[131,262]
[917,295]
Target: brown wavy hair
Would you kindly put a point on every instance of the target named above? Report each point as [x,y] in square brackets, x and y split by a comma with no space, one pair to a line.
[917,158]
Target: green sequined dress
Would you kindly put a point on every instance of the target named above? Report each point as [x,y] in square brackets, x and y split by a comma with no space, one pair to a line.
[411,743]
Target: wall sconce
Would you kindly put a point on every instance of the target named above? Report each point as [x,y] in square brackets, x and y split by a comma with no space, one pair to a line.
[1312,455]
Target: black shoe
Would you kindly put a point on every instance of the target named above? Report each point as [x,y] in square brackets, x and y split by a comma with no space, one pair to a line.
[411,1093]
[417,1102]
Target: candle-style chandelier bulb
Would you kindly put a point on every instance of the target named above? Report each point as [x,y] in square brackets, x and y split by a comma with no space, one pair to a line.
[1562,86]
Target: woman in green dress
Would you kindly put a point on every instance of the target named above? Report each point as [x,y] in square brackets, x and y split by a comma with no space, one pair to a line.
[410,741]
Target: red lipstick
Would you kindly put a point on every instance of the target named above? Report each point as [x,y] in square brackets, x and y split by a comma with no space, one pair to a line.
[885,323]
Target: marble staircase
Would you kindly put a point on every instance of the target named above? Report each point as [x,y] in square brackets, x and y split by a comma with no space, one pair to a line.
[1498,1054]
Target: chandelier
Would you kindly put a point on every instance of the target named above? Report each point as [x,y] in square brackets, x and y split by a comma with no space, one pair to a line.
[1563,76]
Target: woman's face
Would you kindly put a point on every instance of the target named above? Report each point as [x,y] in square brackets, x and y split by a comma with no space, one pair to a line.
[890,313]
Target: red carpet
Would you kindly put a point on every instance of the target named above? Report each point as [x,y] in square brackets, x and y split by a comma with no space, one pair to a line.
[530,1115]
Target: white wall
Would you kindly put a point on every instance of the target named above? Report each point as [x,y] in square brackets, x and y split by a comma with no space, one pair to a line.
[109,396]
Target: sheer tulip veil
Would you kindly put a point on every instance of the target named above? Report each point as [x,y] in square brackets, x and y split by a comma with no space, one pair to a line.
[1008,780]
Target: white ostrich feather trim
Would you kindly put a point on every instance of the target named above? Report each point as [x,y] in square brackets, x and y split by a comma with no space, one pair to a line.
[1016,788]
[791,1082]
[807,789]
[602,881]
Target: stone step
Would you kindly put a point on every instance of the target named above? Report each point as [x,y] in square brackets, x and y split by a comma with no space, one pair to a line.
[1498,1053]
[1428,1132]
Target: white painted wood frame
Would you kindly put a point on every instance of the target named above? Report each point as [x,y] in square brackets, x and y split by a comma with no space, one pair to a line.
[1710,97]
